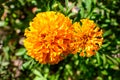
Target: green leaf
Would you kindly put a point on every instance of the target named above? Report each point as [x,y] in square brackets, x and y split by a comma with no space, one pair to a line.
[82,12]
[66,3]
[55,5]
[69,8]
[107,33]
[6,51]
[99,78]
[118,41]
[48,6]
[26,65]
[115,67]
[94,1]
[106,45]
[71,14]
[5,63]
[61,7]
[20,52]
[22,2]
[104,72]
[68,66]
[98,58]
[88,5]
[38,75]
[112,59]
[104,25]
[103,58]
[118,60]
[39,78]
[110,78]
[2,23]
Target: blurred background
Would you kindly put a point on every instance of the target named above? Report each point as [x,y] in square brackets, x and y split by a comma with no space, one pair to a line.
[15,16]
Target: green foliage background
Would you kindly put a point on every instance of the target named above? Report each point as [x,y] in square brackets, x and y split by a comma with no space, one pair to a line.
[15,16]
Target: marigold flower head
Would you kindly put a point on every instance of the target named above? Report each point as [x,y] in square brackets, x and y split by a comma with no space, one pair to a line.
[50,37]
[90,36]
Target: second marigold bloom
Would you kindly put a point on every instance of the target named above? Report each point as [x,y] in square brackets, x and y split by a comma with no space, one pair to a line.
[50,37]
[90,36]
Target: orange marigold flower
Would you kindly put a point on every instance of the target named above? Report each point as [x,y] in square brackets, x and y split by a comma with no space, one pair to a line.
[50,37]
[90,36]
